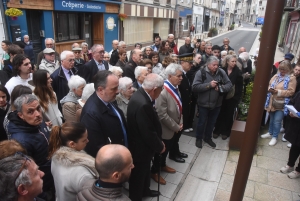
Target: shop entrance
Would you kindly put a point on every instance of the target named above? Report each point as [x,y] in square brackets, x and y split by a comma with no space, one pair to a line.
[98,33]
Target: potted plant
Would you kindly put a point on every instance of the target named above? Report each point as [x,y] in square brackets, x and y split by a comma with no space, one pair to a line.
[14,13]
[232,27]
[212,32]
[122,16]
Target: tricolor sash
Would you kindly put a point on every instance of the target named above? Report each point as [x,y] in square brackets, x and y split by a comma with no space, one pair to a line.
[174,93]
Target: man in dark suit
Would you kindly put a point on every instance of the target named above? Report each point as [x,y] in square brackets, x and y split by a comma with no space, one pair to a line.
[140,73]
[132,64]
[225,45]
[144,136]
[89,69]
[186,48]
[104,121]
[61,76]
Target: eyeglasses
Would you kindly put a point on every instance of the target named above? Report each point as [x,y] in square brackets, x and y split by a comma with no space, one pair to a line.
[49,44]
[106,57]
[51,54]
[78,52]
[23,165]
[71,60]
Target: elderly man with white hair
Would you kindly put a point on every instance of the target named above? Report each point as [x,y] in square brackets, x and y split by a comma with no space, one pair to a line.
[48,62]
[117,71]
[125,92]
[140,74]
[70,102]
[28,50]
[87,92]
[242,63]
[62,75]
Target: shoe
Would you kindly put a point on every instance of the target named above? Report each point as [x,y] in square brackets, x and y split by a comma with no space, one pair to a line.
[168,169]
[286,169]
[224,137]
[294,174]
[161,180]
[152,193]
[186,130]
[182,155]
[273,141]
[199,143]
[210,143]
[289,145]
[177,159]
[283,139]
[215,136]
[191,129]
[282,130]
[267,135]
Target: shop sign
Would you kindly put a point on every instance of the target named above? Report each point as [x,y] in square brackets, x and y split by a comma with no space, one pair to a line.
[110,23]
[79,6]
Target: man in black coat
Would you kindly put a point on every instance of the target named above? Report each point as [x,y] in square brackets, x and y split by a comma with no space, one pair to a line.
[144,136]
[186,48]
[104,121]
[61,76]
[225,45]
[89,69]
[132,64]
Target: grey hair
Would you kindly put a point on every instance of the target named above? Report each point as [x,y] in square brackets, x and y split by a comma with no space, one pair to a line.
[84,44]
[121,43]
[226,39]
[138,70]
[207,45]
[224,52]
[9,168]
[227,58]
[93,49]
[64,54]
[76,81]
[170,35]
[244,56]
[124,82]
[153,80]
[24,99]
[115,69]
[50,39]
[172,69]
[25,36]
[212,59]
[87,91]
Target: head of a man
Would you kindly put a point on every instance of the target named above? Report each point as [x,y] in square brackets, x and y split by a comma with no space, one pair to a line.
[157,40]
[197,58]
[174,74]
[244,56]
[67,59]
[202,46]
[106,57]
[21,65]
[242,49]
[138,46]
[122,45]
[49,54]
[106,85]
[98,52]
[226,41]
[21,178]
[153,85]
[212,64]
[13,50]
[29,109]
[297,70]
[77,52]
[115,44]
[208,48]
[187,41]
[216,50]
[50,43]
[26,38]
[171,38]
[141,73]
[137,55]
[288,57]
[114,163]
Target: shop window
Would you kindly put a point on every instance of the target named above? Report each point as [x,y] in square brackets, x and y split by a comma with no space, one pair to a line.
[68,26]
[185,23]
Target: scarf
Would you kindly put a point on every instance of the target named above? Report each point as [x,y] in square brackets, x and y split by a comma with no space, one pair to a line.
[276,81]
[174,93]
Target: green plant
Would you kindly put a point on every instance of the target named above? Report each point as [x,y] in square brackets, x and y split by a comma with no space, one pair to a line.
[245,103]
[13,12]
[231,27]
[213,31]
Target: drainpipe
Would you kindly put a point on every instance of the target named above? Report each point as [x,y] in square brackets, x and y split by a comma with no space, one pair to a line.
[6,29]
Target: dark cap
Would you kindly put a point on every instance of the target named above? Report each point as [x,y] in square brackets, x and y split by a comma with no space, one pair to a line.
[186,57]
[289,56]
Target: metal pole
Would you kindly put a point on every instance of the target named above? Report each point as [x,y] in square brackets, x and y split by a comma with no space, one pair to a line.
[267,49]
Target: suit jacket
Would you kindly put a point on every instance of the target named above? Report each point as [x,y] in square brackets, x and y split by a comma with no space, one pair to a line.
[185,89]
[136,85]
[129,70]
[229,48]
[89,69]
[101,124]
[168,113]
[144,129]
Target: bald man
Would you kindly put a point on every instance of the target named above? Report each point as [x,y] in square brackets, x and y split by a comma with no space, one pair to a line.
[186,48]
[114,45]
[114,164]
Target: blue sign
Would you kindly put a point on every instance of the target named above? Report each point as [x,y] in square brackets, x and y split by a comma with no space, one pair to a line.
[79,6]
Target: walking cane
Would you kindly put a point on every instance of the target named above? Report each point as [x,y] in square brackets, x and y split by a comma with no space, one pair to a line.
[159,156]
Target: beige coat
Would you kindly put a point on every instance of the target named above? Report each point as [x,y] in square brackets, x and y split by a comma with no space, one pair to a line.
[69,111]
[168,114]
[282,94]
[122,104]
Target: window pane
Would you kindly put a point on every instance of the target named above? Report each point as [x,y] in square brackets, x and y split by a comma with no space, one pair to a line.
[74,26]
[62,22]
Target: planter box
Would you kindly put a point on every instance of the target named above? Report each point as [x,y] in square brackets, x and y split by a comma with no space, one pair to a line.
[237,135]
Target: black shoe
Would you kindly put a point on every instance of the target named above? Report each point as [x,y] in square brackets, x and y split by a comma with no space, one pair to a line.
[153,193]
[199,143]
[224,137]
[182,155]
[210,143]
[215,136]
[177,159]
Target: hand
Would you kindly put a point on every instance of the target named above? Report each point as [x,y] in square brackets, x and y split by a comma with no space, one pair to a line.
[217,88]
[247,75]
[164,149]
[213,83]
[181,127]
[49,124]
[291,115]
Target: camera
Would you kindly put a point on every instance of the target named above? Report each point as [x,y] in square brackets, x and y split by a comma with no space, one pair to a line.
[219,84]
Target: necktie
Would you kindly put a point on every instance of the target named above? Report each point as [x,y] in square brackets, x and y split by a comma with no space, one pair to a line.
[122,125]
[70,73]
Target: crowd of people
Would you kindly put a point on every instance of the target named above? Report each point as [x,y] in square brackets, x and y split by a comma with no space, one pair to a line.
[79,124]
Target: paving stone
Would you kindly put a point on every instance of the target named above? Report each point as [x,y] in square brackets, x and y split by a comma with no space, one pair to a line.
[187,148]
[193,141]
[259,151]
[273,152]
[174,178]
[165,190]
[222,144]
[270,163]
[209,164]
[194,188]
[222,195]
[296,196]
[230,168]
[269,193]
[258,174]
[282,181]
[233,156]
[147,199]
[179,167]
[185,139]
[161,198]
[254,163]
[265,142]
[248,199]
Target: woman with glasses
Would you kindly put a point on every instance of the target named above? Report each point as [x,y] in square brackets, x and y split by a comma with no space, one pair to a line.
[71,167]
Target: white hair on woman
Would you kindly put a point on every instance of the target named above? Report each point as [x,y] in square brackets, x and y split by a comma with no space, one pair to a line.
[84,44]
[115,69]
[153,80]
[172,69]
[76,81]
[223,53]
[124,82]
[138,70]
[64,54]
[87,91]
[244,56]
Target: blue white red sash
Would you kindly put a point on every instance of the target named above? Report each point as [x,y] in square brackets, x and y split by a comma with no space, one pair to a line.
[174,93]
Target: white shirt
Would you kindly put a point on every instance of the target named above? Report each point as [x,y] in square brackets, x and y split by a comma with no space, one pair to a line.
[17,80]
[66,72]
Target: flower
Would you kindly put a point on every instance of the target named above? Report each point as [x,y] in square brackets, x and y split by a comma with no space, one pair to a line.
[122,16]
[13,12]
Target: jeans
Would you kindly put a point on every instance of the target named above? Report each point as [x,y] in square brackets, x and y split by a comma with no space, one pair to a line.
[275,122]
[206,123]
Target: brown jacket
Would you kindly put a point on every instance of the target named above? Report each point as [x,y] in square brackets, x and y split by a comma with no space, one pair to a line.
[282,94]
[69,111]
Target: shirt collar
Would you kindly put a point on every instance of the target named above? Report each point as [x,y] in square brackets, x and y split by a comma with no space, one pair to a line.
[65,70]
[172,84]
[105,103]
[98,62]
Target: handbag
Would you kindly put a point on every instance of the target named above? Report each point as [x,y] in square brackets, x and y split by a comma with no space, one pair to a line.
[231,93]
[277,104]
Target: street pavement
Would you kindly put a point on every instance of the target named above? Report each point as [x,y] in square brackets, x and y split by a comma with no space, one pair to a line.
[208,173]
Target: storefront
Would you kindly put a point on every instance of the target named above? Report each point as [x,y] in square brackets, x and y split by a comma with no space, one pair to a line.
[198,18]
[77,21]
[185,21]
